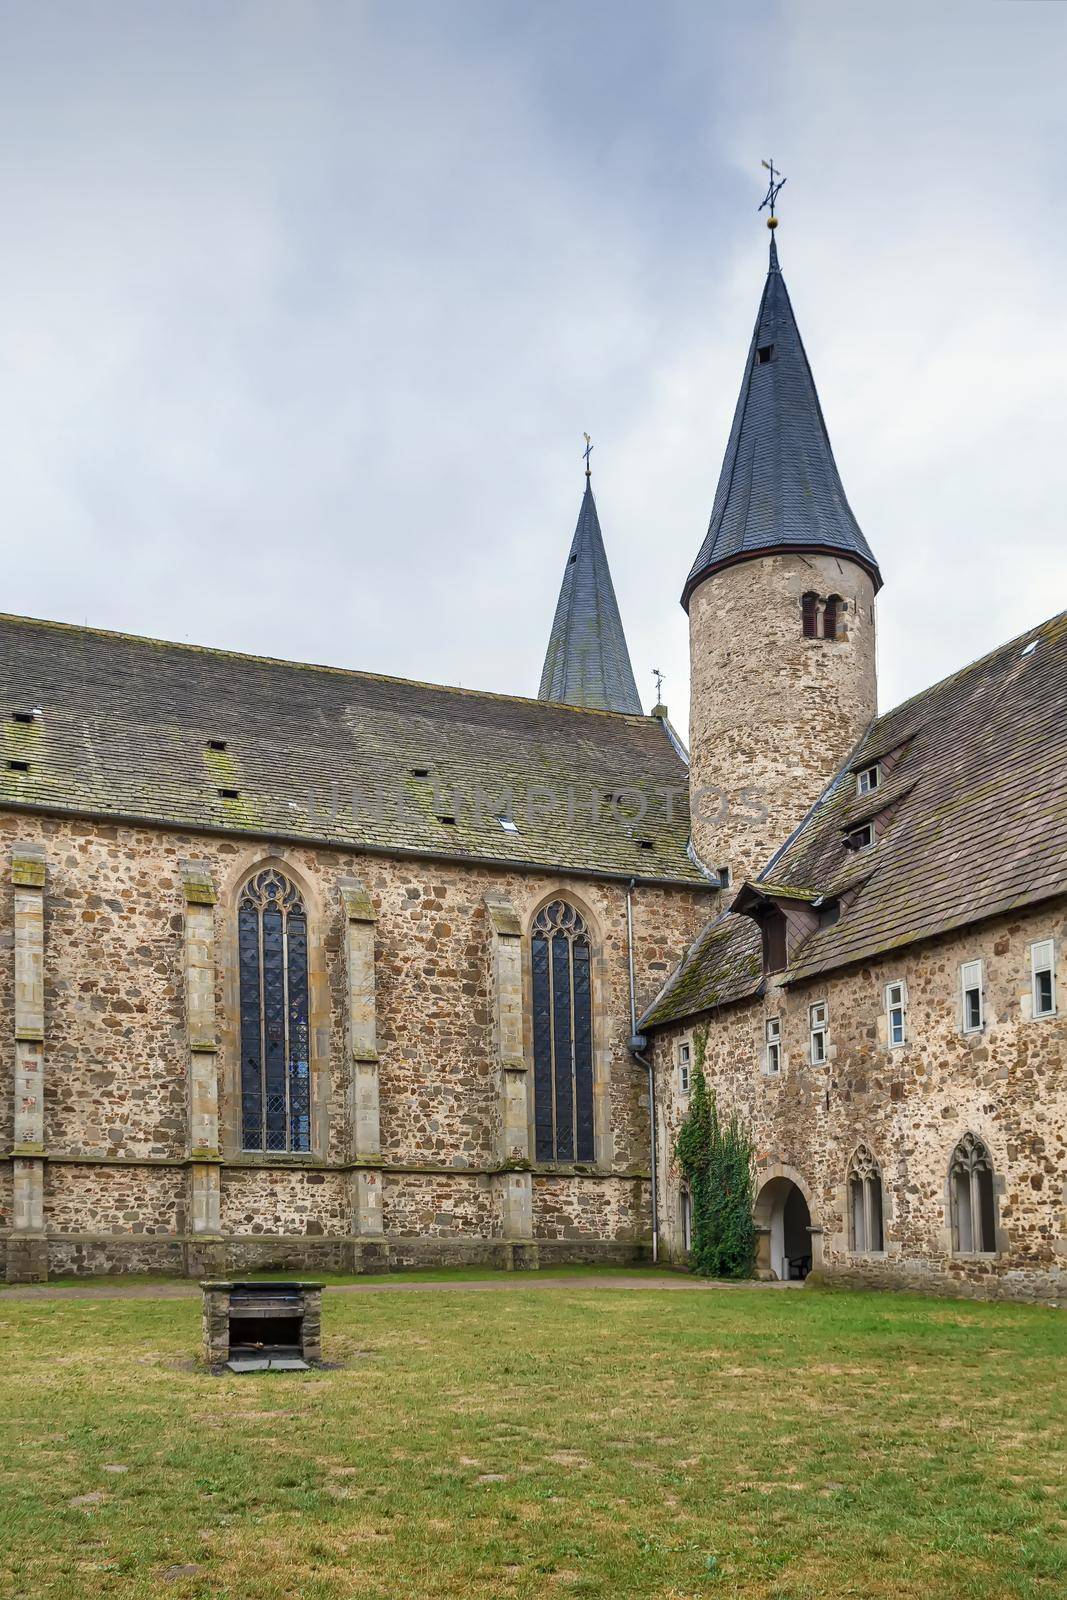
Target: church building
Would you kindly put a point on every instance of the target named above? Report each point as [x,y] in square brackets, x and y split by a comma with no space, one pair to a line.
[314,969]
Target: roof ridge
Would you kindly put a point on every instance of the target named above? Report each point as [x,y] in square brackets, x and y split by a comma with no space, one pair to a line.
[960,672]
[227,653]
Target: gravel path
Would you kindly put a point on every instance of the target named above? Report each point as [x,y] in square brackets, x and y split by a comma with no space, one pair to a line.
[186,1290]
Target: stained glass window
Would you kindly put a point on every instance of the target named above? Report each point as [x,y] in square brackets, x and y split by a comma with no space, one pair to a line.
[563,1036]
[275,1065]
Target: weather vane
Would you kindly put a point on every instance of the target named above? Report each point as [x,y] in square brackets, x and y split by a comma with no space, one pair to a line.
[657,674]
[587,452]
[776,182]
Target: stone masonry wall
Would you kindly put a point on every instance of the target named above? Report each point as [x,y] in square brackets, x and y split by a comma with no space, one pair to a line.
[116,1050]
[909,1105]
[805,701]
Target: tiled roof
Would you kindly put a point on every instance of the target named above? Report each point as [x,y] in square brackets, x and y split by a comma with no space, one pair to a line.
[587,662]
[779,487]
[125,726]
[974,818]
[723,964]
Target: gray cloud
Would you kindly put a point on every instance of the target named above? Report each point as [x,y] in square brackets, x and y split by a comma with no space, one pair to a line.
[307,305]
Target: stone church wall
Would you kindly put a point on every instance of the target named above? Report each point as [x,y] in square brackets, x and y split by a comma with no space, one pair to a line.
[908,1105]
[112,1164]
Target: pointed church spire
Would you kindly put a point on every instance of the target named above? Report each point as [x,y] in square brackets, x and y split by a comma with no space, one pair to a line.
[779,488]
[587,662]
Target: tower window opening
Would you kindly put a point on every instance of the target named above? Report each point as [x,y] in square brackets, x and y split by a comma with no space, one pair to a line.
[809,615]
[830,615]
[764,354]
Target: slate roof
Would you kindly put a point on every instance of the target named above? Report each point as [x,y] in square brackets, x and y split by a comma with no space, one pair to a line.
[779,487]
[587,662]
[125,725]
[974,814]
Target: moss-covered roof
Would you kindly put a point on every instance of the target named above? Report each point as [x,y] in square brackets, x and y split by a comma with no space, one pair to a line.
[126,727]
[972,822]
[725,963]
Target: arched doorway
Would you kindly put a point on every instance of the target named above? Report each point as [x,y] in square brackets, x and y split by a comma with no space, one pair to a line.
[784,1223]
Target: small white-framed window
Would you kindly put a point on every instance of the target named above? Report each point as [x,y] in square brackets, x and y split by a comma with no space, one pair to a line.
[896,1011]
[971,992]
[861,838]
[1043,977]
[685,1063]
[868,778]
[817,1028]
[687,1221]
[772,1051]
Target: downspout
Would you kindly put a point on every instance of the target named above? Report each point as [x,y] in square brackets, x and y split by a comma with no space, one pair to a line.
[637,1045]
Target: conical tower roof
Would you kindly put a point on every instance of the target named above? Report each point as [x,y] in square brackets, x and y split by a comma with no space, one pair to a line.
[779,488]
[587,662]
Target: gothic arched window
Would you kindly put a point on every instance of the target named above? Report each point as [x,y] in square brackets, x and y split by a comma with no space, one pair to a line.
[275,1067]
[970,1183]
[563,1036]
[865,1230]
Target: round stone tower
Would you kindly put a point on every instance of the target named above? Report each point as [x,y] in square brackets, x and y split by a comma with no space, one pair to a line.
[781,613]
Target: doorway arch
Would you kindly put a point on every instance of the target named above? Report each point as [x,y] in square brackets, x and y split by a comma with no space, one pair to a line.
[783,1220]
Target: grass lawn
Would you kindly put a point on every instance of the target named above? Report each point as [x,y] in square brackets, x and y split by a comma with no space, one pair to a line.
[560,1442]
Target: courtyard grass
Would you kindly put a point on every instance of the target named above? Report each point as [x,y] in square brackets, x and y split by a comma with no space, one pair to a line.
[565,1442]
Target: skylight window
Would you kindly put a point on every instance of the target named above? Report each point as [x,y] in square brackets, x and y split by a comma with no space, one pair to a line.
[1029,649]
[508,824]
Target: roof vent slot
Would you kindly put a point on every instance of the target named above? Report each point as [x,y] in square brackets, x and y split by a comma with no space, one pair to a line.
[229,794]
[18,766]
[646,844]
[449,821]
[764,354]
[216,744]
[420,772]
[24,716]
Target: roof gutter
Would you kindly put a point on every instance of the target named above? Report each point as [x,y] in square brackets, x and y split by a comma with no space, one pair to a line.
[133,819]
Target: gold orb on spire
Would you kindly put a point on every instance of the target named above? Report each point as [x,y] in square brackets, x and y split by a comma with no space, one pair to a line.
[772,222]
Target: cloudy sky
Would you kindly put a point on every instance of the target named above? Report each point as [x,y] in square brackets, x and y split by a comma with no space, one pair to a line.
[306,304]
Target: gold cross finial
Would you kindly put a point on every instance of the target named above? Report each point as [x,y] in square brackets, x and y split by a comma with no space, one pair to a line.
[776,182]
[587,452]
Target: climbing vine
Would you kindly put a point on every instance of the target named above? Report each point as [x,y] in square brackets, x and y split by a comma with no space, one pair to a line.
[717,1160]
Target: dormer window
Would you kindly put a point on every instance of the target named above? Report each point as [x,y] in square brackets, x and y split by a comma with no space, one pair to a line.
[868,779]
[764,354]
[772,926]
[860,838]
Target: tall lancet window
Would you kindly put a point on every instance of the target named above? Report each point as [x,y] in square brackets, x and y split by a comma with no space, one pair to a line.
[275,1068]
[563,1036]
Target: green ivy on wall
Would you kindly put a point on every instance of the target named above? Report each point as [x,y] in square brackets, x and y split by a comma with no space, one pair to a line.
[717,1160]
